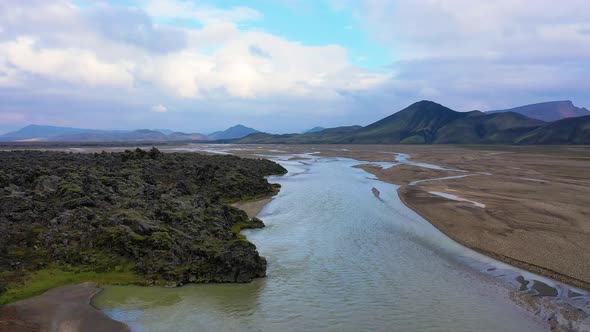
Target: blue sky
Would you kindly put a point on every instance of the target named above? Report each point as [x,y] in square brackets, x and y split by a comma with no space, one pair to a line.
[283,65]
[309,22]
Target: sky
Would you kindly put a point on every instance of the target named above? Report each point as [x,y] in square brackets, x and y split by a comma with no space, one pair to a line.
[282,65]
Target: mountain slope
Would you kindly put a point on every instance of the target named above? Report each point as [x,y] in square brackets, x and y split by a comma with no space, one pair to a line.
[314,130]
[238,131]
[549,111]
[482,128]
[326,136]
[566,131]
[427,122]
[418,123]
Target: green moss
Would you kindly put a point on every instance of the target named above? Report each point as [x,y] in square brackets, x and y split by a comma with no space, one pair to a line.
[249,224]
[40,281]
[237,228]
[413,140]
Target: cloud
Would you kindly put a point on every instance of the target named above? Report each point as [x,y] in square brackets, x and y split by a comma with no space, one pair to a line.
[71,64]
[204,14]
[492,54]
[159,108]
[115,47]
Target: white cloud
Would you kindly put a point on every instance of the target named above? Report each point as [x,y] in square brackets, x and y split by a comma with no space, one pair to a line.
[203,14]
[487,29]
[71,64]
[159,108]
[491,53]
[287,68]
[216,61]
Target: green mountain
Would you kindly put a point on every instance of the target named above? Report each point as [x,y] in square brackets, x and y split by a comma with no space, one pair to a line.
[566,131]
[426,122]
[481,128]
[418,123]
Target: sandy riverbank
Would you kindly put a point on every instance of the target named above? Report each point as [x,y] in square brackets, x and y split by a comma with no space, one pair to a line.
[253,208]
[66,308]
[536,199]
[532,210]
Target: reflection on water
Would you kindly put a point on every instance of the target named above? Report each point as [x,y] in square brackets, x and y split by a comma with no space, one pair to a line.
[338,260]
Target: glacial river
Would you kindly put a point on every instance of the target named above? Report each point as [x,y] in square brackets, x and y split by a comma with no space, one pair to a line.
[339,259]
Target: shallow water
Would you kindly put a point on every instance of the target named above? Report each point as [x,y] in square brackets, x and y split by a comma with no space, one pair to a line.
[339,259]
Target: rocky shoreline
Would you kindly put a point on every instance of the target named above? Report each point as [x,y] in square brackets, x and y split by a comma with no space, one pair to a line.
[141,217]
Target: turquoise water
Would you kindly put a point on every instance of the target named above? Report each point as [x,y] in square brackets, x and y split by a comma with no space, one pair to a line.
[339,259]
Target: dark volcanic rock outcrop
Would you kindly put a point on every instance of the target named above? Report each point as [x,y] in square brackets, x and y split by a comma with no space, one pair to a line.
[168,215]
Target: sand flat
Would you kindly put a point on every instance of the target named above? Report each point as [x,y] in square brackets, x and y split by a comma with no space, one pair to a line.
[541,226]
[65,308]
[253,208]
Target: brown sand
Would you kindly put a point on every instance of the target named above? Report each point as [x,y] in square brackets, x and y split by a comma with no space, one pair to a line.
[542,226]
[537,199]
[404,174]
[253,208]
[63,309]
[537,206]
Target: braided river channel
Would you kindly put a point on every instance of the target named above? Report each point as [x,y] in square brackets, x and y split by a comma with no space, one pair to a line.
[341,259]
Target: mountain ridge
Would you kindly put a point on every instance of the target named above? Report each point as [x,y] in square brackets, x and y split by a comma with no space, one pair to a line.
[36,132]
[427,122]
[237,131]
[549,111]
[423,122]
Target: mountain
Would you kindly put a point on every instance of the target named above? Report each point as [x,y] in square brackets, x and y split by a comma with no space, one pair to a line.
[66,134]
[427,122]
[165,131]
[313,130]
[38,132]
[418,123]
[549,111]
[326,136]
[234,132]
[482,128]
[424,122]
[133,136]
[565,131]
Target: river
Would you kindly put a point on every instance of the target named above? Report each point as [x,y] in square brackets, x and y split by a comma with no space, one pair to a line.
[339,259]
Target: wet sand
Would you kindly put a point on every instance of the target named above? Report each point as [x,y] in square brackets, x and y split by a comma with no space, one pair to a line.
[536,206]
[404,174]
[66,308]
[536,199]
[253,208]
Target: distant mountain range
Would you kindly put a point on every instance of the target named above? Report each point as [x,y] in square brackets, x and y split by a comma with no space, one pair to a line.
[427,122]
[313,130]
[65,134]
[238,131]
[424,122]
[549,111]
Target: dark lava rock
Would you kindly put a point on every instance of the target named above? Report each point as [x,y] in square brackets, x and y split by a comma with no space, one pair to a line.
[168,214]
